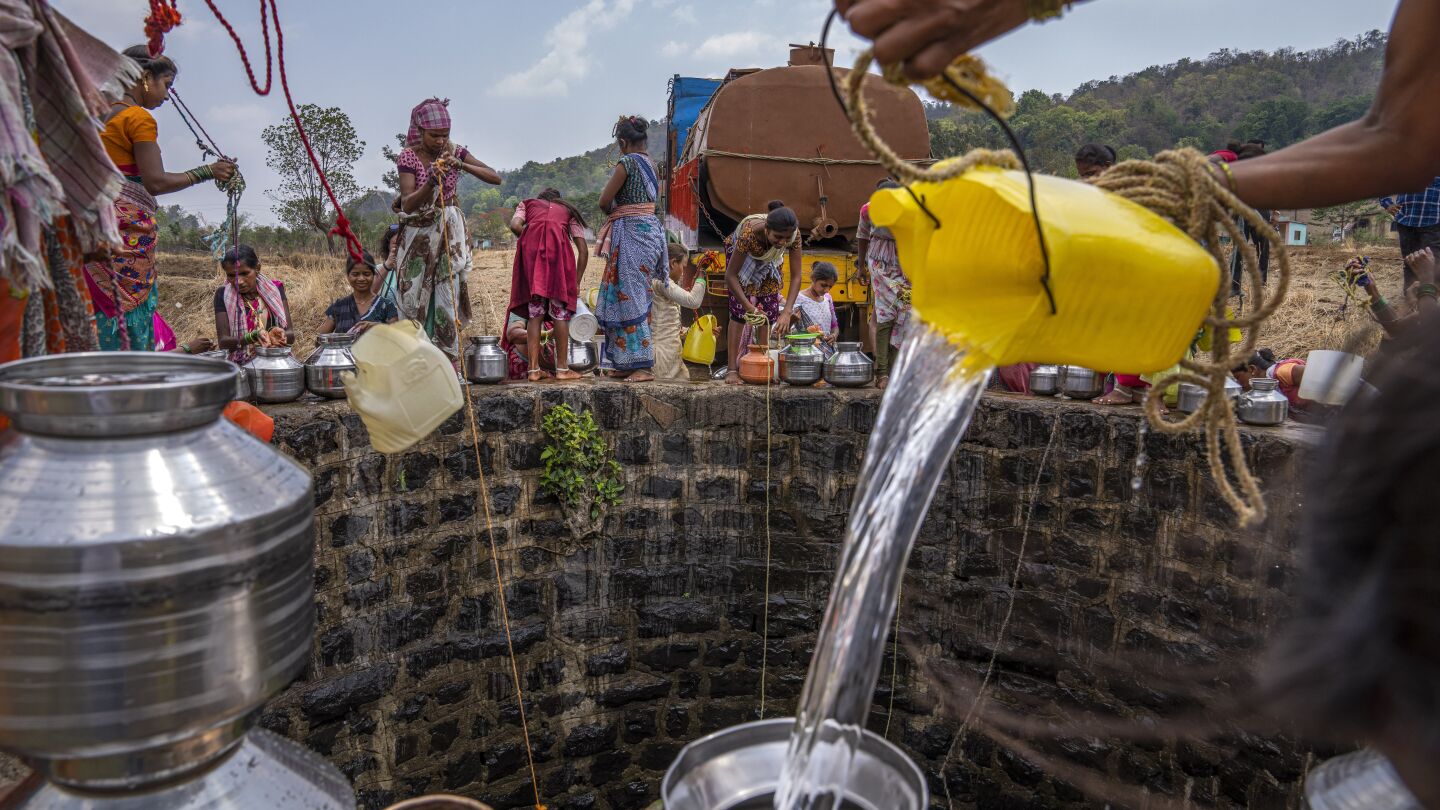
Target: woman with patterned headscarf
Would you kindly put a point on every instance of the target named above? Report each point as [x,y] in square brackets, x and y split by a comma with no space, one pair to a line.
[433,259]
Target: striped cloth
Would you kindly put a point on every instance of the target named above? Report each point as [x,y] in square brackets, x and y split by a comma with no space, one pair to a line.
[61,167]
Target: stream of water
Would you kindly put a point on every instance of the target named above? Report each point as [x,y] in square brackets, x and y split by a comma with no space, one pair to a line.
[926,408]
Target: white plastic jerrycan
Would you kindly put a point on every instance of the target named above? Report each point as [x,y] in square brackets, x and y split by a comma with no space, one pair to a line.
[404,386]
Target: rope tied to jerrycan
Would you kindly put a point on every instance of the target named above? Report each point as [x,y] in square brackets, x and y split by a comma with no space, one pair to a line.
[1181,186]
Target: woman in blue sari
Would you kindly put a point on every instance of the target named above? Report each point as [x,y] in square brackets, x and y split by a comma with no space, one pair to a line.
[632,242]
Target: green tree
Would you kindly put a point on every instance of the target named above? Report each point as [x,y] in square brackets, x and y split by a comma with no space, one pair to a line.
[1277,121]
[391,177]
[300,201]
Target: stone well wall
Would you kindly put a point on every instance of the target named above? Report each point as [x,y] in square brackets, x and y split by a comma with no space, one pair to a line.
[635,642]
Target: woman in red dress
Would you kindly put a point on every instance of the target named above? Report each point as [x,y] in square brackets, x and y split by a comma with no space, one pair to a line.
[549,262]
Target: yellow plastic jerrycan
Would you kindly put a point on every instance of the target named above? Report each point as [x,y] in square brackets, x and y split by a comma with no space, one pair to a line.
[1130,288]
[403,387]
[700,341]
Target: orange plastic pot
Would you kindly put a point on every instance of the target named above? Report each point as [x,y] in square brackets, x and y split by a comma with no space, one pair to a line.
[756,367]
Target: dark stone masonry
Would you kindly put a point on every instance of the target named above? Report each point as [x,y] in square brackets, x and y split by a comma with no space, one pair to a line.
[633,643]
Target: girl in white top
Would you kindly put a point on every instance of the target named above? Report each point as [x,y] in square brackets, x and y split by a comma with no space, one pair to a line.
[678,290]
[819,307]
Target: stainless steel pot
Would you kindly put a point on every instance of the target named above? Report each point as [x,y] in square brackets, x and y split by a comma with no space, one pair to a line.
[801,361]
[275,375]
[242,379]
[1263,404]
[582,357]
[156,582]
[485,362]
[1045,381]
[327,363]
[1233,390]
[848,367]
[1189,398]
[266,771]
[739,767]
[1078,382]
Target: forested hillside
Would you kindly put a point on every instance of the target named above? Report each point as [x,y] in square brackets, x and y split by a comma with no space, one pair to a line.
[1279,97]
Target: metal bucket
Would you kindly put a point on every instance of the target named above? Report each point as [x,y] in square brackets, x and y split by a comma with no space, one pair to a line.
[738,768]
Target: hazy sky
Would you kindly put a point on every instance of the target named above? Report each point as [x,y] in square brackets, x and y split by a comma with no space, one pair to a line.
[544,79]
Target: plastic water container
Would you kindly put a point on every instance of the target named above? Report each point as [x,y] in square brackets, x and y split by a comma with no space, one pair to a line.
[1331,377]
[583,325]
[403,386]
[1130,289]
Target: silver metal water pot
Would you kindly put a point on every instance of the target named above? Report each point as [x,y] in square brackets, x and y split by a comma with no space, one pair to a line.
[485,362]
[848,367]
[1045,381]
[275,375]
[801,361]
[330,359]
[1263,404]
[582,357]
[1078,382]
[156,583]
[1189,398]
[1364,780]
[242,379]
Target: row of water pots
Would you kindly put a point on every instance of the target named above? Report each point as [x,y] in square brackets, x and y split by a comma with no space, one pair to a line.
[274,375]
[802,363]
[1262,405]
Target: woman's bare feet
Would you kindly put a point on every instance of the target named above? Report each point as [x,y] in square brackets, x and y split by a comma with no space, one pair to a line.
[566,375]
[882,382]
[539,375]
[639,377]
[1120,396]
[733,378]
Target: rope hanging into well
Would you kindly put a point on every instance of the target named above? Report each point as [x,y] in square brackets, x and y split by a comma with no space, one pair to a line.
[1180,186]
[439,202]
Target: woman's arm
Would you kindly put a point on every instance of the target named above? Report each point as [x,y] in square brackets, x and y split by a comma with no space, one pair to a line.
[290,330]
[222,332]
[477,168]
[1390,150]
[582,257]
[326,326]
[517,227]
[158,181]
[613,186]
[795,260]
[411,197]
[732,277]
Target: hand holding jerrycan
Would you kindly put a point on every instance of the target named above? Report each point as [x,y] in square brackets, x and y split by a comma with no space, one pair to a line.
[1130,289]
[403,386]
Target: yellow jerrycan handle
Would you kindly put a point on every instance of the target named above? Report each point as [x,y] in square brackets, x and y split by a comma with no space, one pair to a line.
[1130,289]
[700,341]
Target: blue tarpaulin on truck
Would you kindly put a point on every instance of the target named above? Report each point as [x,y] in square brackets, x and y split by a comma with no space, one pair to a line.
[689,96]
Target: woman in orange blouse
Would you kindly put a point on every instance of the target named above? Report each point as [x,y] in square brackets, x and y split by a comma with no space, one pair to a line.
[123,287]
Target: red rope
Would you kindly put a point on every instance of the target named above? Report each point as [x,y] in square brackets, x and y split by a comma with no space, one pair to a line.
[342,224]
[163,18]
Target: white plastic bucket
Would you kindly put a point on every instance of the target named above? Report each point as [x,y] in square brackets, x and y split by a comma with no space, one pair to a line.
[583,325]
[1331,377]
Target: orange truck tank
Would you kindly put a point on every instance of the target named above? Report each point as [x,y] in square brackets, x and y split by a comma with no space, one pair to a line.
[759,135]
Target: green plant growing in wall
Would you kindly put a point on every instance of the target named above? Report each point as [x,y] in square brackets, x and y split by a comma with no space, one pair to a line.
[579,470]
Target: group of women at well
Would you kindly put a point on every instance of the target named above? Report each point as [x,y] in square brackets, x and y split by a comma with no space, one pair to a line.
[424,260]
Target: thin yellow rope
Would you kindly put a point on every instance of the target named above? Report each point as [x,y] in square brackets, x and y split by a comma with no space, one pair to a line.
[485,501]
[765,610]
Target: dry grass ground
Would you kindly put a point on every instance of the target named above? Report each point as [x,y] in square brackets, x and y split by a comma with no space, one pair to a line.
[1311,318]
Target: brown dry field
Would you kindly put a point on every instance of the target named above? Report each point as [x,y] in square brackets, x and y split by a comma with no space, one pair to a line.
[1312,316]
